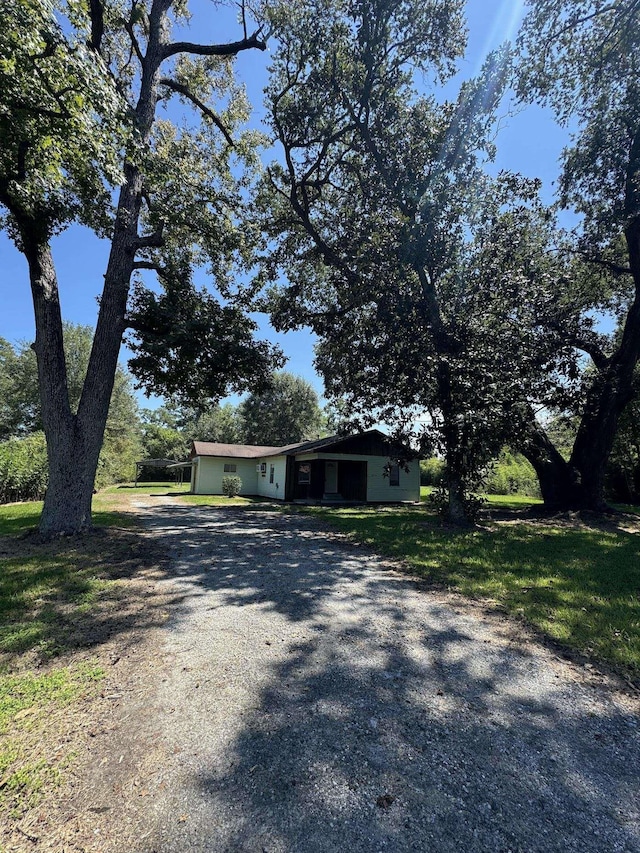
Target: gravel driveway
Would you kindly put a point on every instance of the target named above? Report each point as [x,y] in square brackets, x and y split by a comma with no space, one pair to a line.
[315,700]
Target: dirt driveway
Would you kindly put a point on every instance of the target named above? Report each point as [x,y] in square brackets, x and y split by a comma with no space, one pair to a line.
[311,699]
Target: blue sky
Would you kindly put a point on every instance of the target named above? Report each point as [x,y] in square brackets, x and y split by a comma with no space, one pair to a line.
[528,142]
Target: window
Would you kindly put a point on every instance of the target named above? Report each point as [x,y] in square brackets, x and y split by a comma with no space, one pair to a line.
[304,473]
[394,475]
[229,468]
[272,471]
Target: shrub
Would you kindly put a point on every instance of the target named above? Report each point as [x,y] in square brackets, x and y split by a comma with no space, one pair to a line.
[431,471]
[512,474]
[231,486]
[23,468]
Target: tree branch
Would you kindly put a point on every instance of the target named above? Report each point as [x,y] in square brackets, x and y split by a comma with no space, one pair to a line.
[39,111]
[616,269]
[592,349]
[96,11]
[150,265]
[183,90]
[150,241]
[135,44]
[229,49]
[576,22]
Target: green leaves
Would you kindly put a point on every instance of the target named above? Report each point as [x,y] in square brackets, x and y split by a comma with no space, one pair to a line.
[188,345]
[580,57]
[61,121]
[285,412]
[23,468]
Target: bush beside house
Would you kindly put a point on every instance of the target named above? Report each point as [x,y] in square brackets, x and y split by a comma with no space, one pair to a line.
[231,486]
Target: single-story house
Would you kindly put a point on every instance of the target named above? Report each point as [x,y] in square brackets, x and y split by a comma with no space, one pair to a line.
[360,468]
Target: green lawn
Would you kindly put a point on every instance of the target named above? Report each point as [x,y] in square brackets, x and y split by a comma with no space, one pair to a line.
[158,488]
[174,490]
[498,501]
[578,584]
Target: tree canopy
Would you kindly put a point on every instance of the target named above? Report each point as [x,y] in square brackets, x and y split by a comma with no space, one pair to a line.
[425,279]
[287,411]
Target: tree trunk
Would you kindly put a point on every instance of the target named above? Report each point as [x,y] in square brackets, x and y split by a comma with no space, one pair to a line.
[553,472]
[456,511]
[67,504]
[579,483]
[74,441]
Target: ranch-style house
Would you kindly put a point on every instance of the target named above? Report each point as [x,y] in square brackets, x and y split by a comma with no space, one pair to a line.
[360,468]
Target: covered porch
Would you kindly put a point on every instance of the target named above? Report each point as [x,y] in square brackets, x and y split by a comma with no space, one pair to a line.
[326,480]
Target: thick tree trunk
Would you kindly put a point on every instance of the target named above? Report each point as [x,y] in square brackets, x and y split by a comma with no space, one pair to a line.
[579,483]
[555,477]
[74,441]
[612,390]
[67,504]
[456,511]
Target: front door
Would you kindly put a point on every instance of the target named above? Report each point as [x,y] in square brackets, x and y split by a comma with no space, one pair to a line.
[330,477]
[352,483]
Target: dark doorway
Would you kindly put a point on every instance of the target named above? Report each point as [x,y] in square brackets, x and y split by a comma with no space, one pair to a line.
[308,480]
[352,480]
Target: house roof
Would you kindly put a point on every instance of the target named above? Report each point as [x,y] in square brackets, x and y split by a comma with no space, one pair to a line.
[256,451]
[235,451]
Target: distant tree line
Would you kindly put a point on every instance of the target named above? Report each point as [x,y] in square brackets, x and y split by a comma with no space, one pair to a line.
[285,412]
[23,452]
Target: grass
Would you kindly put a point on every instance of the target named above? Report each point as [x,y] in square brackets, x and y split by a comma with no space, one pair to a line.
[575,583]
[42,595]
[46,594]
[497,501]
[59,602]
[220,500]
[19,518]
[31,704]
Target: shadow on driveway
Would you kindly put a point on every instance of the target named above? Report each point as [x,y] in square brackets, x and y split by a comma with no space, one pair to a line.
[317,701]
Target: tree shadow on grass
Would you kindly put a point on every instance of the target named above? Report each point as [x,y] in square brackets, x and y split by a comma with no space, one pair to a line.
[388,721]
[77,593]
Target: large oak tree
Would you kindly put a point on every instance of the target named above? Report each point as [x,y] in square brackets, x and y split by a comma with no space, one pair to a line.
[81,85]
[400,252]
